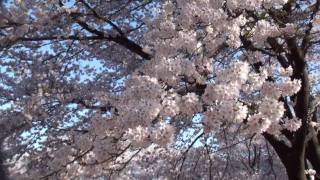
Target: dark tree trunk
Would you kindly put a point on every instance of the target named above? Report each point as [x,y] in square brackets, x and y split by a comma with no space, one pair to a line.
[3,170]
[3,174]
[313,153]
[295,167]
[292,158]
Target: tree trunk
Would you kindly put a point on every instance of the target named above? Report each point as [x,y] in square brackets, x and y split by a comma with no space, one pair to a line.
[292,158]
[313,153]
[295,167]
[3,175]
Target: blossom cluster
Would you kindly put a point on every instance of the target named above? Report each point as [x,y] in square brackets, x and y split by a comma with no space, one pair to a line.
[182,42]
[162,134]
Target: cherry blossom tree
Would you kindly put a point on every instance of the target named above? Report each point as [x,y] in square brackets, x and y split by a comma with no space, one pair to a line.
[177,89]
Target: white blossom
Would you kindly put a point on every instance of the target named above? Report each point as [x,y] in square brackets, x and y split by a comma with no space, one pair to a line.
[292,124]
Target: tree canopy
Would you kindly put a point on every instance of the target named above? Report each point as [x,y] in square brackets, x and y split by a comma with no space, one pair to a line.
[159,89]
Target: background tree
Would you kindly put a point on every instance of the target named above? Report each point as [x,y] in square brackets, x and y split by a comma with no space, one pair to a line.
[188,88]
